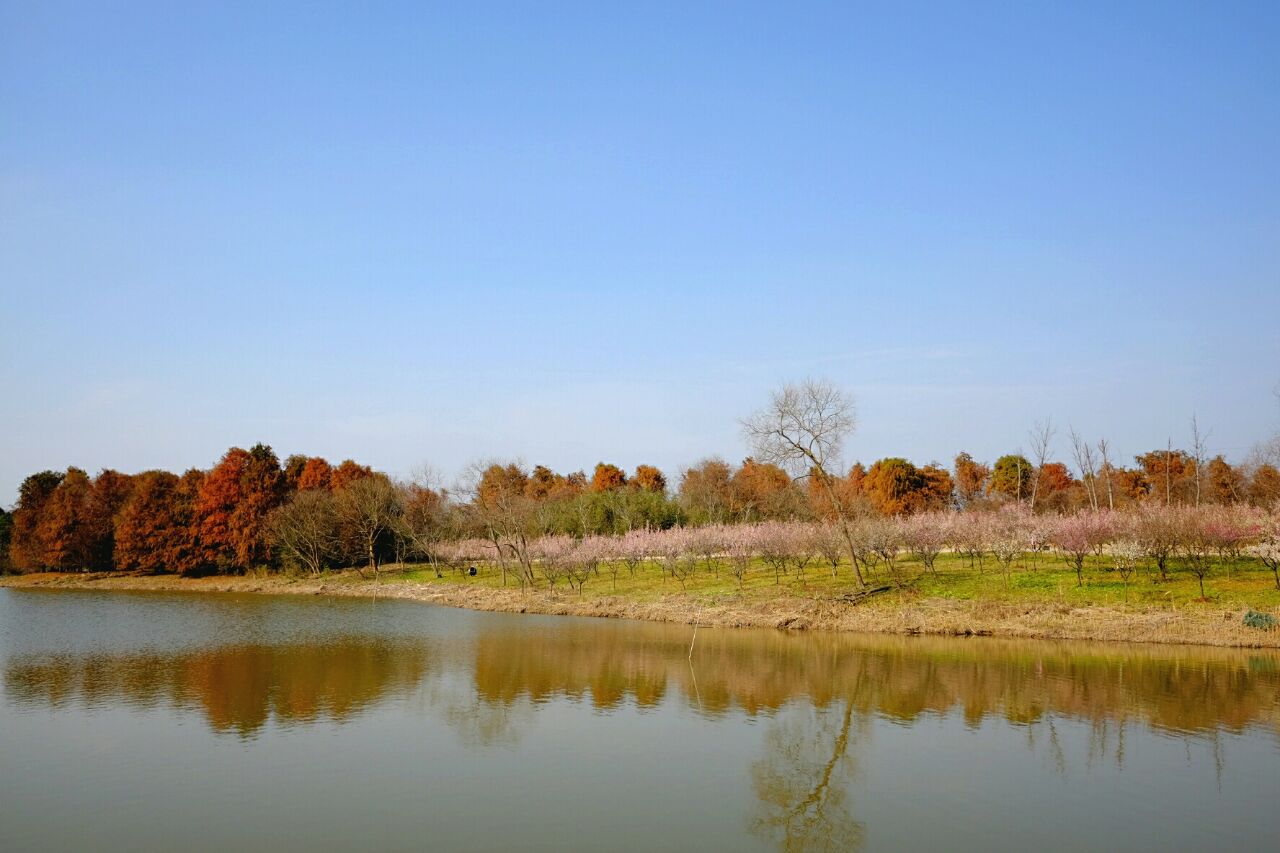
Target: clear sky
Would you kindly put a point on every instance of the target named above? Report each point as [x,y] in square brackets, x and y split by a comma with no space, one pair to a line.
[408,233]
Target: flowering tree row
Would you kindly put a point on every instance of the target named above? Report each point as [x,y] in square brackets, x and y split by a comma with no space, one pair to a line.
[1165,539]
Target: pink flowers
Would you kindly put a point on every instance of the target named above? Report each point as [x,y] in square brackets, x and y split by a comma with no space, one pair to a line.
[1080,534]
[1197,540]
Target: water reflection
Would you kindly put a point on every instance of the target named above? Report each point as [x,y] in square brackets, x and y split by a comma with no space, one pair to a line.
[1178,689]
[240,687]
[800,782]
[237,688]
[817,723]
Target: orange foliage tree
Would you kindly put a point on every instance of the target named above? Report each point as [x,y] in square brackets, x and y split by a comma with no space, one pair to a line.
[706,492]
[1264,487]
[970,479]
[1226,483]
[607,478]
[499,484]
[848,490]
[650,479]
[26,549]
[761,490]
[316,473]
[347,473]
[897,487]
[63,528]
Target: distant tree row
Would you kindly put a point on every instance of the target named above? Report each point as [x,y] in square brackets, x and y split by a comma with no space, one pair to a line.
[251,511]
[220,520]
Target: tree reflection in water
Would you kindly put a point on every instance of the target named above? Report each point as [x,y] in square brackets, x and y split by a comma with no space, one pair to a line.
[800,781]
[819,693]
[238,688]
[1184,690]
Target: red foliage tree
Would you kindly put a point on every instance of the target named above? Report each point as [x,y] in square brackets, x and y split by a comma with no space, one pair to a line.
[156,528]
[108,495]
[347,473]
[234,502]
[1055,477]
[316,473]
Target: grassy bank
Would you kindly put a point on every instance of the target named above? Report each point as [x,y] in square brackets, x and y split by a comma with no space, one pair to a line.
[1035,598]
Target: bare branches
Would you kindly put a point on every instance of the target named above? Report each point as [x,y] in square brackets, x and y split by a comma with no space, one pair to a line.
[1083,453]
[306,529]
[1041,438]
[1199,453]
[803,430]
[1104,450]
[803,427]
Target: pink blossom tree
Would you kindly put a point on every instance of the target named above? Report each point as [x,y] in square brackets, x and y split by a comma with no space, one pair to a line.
[926,534]
[1156,529]
[1267,548]
[829,541]
[1079,535]
[549,553]
[741,547]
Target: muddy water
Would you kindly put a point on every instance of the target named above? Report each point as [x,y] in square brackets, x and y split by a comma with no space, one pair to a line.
[132,721]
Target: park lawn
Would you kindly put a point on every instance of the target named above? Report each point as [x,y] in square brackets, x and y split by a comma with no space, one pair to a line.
[1044,579]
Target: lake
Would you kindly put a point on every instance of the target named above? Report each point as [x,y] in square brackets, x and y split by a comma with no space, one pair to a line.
[163,721]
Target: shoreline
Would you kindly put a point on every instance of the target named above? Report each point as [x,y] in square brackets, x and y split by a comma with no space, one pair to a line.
[1220,627]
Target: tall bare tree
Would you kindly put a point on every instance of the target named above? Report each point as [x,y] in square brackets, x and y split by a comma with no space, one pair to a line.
[1104,451]
[367,510]
[1199,453]
[425,520]
[803,429]
[507,517]
[1041,440]
[1083,453]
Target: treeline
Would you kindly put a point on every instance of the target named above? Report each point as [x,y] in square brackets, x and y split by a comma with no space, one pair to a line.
[251,511]
[219,520]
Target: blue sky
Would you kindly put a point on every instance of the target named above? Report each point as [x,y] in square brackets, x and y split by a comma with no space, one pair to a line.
[409,233]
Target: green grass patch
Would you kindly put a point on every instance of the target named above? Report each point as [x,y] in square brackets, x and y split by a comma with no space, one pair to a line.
[1044,579]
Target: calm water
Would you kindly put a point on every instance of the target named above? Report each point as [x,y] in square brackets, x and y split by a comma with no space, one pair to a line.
[165,722]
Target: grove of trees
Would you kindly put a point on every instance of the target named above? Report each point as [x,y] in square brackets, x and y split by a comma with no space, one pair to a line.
[791,505]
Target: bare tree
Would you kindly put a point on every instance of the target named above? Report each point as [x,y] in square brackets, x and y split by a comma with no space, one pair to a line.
[306,529]
[1041,439]
[367,510]
[1083,453]
[506,517]
[1104,450]
[803,429]
[424,523]
[1199,453]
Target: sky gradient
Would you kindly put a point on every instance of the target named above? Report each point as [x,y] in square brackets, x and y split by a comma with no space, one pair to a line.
[408,233]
